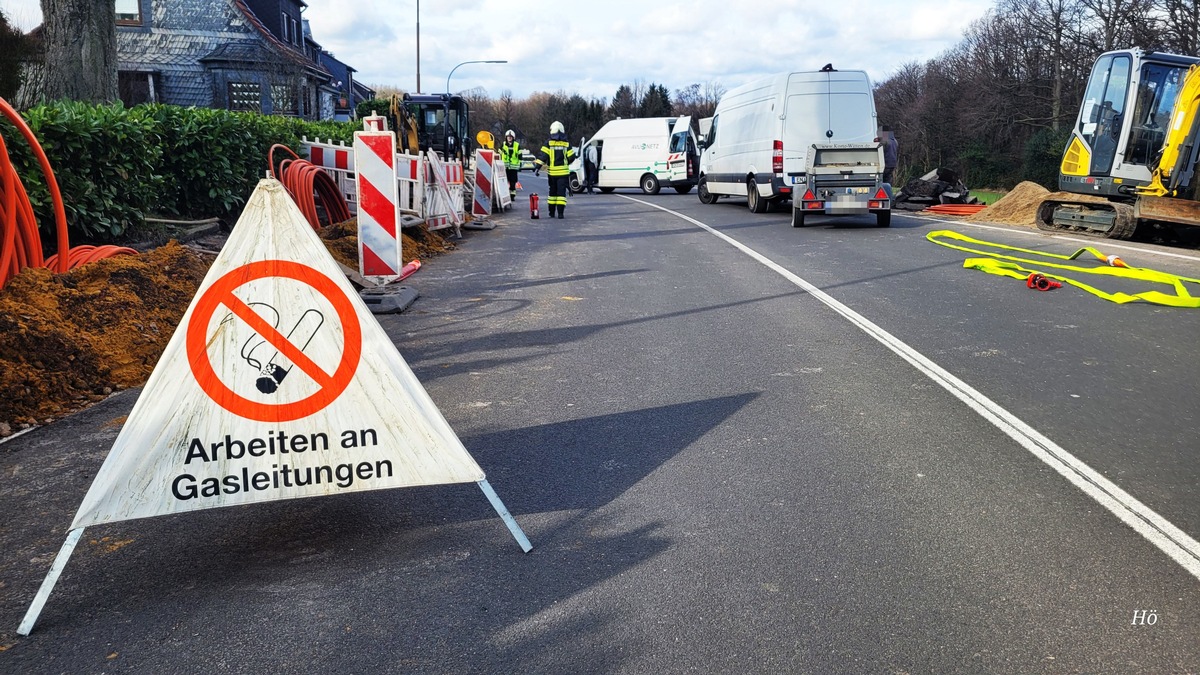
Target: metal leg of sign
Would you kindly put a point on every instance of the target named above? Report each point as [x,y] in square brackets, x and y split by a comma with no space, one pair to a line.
[513,527]
[39,600]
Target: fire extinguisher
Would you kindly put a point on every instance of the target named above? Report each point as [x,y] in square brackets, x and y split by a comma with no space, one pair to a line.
[533,207]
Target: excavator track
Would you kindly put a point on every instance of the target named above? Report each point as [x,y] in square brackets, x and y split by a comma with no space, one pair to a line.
[1112,220]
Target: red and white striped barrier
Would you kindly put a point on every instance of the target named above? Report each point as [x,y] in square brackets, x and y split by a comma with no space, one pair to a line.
[338,162]
[443,194]
[379,243]
[481,203]
[410,175]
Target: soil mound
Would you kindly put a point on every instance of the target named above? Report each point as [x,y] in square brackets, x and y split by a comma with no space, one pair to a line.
[416,243]
[70,339]
[1018,207]
[67,340]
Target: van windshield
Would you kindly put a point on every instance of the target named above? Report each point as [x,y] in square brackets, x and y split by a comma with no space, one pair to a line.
[847,114]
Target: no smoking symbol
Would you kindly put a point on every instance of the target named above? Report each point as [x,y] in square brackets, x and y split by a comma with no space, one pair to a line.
[330,386]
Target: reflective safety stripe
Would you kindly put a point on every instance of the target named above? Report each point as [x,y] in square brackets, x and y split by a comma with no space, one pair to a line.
[558,156]
[1112,266]
[511,154]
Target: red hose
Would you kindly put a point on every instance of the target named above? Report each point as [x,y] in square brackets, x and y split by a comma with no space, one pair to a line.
[20,242]
[310,186]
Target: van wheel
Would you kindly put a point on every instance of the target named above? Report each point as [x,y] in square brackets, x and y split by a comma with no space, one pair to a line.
[683,189]
[883,219]
[756,203]
[650,184]
[797,218]
[706,197]
[574,185]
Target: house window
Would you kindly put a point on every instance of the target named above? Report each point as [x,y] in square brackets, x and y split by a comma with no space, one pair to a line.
[283,99]
[284,29]
[245,96]
[136,88]
[129,12]
[296,37]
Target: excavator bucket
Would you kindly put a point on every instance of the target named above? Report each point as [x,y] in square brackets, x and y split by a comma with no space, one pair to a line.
[1168,210]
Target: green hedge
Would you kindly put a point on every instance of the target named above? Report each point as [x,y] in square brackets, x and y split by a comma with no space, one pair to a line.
[117,165]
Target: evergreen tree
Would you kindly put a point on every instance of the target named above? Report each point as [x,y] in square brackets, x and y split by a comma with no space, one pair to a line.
[656,102]
[623,104]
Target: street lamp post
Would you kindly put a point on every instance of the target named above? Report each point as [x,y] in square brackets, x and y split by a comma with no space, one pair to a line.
[463,64]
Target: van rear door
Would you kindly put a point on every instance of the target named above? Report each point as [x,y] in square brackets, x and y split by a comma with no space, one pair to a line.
[683,159]
[825,107]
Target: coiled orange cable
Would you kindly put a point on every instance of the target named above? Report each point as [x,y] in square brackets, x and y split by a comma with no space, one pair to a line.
[310,186]
[20,242]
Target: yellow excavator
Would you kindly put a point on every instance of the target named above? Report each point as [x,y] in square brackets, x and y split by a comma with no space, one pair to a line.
[1134,146]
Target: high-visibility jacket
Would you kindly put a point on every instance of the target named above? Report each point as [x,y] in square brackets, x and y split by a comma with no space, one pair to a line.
[558,155]
[511,154]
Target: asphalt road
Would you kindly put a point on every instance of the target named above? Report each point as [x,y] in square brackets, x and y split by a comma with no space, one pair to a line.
[736,447]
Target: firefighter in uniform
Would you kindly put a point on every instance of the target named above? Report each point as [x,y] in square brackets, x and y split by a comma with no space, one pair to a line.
[556,157]
[510,152]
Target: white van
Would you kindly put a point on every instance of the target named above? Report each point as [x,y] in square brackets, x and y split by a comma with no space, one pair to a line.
[647,152]
[762,132]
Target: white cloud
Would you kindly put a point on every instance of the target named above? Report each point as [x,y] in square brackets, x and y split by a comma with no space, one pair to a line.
[592,48]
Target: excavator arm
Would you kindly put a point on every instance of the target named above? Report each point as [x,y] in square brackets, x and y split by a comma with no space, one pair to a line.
[1177,165]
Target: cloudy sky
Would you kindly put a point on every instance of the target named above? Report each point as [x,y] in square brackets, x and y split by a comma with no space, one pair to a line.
[591,48]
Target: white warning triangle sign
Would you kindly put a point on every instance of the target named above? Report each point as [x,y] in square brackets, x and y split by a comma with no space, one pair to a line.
[278,384]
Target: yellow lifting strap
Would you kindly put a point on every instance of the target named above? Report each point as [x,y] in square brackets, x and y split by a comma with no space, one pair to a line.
[1019,268]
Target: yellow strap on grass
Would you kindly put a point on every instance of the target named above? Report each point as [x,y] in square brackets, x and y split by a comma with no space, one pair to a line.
[1018,268]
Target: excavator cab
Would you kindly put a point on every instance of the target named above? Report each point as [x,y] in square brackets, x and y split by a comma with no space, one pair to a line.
[442,123]
[1117,142]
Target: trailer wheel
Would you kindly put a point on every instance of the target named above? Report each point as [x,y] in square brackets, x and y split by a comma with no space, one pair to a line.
[683,189]
[650,184]
[706,197]
[797,217]
[883,219]
[756,203]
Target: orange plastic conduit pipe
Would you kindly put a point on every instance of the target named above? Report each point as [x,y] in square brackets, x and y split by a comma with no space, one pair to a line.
[310,186]
[20,242]
[956,209]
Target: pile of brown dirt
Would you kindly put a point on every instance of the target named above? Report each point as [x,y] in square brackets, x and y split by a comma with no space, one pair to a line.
[416,243]
[1018,207]
[70,339]
[67,340]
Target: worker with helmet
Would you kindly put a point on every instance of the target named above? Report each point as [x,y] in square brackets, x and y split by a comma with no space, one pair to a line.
[556,157]
[510,152]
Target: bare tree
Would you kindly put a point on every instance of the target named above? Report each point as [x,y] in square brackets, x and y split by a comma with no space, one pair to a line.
[1120,23]
[698,100]
[1180,30]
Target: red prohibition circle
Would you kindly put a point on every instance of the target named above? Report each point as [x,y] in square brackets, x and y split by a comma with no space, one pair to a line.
[221,293]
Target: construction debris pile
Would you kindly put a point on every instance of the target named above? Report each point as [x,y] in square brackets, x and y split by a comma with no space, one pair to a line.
[940,186]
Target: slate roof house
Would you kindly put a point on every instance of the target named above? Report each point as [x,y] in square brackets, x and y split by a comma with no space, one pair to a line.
[255,55]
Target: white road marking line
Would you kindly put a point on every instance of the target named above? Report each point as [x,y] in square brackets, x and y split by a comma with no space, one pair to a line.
[1171,540]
